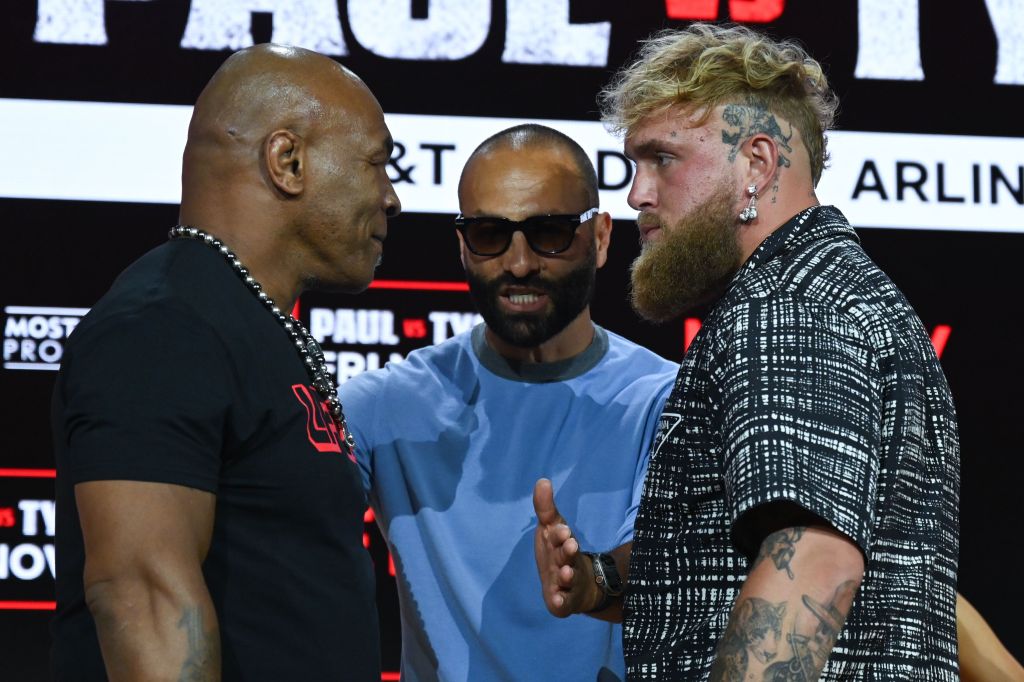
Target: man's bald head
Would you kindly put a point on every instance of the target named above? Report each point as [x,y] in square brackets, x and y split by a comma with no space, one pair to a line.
[286,162]
[258,90]
[532,136]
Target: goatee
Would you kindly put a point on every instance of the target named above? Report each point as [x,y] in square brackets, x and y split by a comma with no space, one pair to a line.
[690,264]
[569,296]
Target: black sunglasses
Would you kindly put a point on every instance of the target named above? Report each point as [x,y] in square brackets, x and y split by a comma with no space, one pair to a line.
[546,234]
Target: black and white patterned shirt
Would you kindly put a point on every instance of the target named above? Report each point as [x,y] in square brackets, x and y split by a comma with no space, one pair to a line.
[812,381]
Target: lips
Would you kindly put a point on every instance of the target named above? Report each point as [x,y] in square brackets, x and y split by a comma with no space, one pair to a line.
[649,226]
[522,299]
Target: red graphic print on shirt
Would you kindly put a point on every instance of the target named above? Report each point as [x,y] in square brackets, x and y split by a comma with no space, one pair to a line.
[320,428]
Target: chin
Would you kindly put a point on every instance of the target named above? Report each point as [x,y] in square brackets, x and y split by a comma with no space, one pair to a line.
[349,285]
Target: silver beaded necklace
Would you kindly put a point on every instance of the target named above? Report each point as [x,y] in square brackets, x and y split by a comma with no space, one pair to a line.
[309,350]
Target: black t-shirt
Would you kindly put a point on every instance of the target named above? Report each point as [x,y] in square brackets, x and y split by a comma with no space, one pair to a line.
[179,375]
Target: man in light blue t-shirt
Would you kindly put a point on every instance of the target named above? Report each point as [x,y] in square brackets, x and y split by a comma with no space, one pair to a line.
[452,440]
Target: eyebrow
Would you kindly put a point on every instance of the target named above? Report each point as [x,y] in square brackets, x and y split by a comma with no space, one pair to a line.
[645,148]
[389,146]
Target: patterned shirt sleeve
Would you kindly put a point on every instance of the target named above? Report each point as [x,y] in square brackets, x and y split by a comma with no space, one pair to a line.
[800,415]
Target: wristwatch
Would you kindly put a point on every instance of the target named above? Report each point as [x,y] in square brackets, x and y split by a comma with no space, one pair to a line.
[607,577]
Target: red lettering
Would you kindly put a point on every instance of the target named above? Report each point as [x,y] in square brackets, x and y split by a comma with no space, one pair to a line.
[7,519]
[746,11]
[756,11]
[691,9]
[414,328]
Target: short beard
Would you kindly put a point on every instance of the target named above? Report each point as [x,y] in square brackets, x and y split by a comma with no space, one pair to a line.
[569,296]
[690,264]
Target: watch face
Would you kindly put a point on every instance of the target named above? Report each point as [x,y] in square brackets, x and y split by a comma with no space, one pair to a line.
[607,574]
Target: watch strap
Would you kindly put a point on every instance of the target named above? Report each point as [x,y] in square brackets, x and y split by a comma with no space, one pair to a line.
[607,577]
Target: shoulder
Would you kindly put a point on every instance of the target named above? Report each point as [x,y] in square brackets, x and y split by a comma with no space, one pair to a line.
[636,368]
[414,375]
[636,359]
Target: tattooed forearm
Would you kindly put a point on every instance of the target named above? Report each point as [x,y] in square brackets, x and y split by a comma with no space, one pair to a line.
[754,628]
[780,548]
[202,663]
[810,649]
[745,120]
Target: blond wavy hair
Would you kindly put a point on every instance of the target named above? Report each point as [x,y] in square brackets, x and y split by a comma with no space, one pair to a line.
[705,65]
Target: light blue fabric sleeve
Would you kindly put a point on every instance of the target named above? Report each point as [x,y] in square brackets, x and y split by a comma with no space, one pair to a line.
[359,396]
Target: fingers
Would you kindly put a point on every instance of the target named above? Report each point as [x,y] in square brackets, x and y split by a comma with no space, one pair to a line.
[544,503]
[556,550]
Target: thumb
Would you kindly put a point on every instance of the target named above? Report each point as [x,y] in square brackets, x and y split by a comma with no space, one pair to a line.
[544,503]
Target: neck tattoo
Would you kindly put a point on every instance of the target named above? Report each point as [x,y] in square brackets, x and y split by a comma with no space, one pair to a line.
[308,349]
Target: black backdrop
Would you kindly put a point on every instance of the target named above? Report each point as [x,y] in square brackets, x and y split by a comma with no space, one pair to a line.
[64,254]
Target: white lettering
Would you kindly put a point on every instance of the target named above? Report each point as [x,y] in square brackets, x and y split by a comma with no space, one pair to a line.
[321,323]
[13,561]
[30,510]
[38,327]
[888,41]
[344,325]
[227,24]
[10,348]
[458,322]
[1008,22]
[78,22]
[69,325]
[28,350]
[453,29]
[37,562]
[539,32]
[16,327]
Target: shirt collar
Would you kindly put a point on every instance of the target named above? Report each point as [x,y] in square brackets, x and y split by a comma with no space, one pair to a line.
[811,224]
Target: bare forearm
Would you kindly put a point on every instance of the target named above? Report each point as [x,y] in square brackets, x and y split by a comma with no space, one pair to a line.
[147,633]
[791,608]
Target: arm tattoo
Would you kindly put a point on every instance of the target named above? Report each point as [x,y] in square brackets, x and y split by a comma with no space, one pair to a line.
[749,119]
[780,548]
[811,651]
[754,628]
[203,660]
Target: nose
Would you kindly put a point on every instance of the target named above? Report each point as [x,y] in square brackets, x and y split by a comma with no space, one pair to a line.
[519,259]
[642,193]
[392,204]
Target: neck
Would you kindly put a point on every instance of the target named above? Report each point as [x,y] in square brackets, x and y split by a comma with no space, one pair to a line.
[770,217]
[568,343]
[260,251]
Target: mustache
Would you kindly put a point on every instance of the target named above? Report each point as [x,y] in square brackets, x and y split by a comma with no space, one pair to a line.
[534,281]
[648,220]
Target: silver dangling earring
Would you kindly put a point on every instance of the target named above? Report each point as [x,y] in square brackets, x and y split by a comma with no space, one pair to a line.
[750,212]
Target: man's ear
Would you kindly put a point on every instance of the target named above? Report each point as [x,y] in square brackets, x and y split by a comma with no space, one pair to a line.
[761,153]
[602,236]
[285,159]
[462,249]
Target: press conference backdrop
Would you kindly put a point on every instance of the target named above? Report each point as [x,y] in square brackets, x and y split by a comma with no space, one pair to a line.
[94,101]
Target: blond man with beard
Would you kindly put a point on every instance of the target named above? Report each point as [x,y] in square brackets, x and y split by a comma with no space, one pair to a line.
[799,517]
